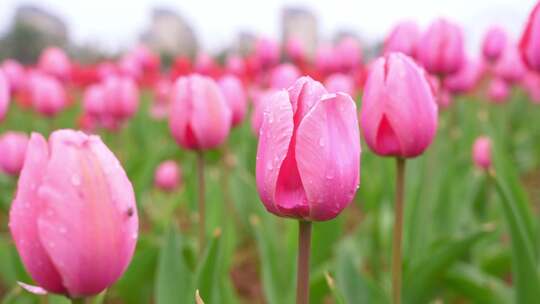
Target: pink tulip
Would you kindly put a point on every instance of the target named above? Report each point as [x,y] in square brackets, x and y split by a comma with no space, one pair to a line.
[259,104]
[349,54]
[47,94]
[168,176]
[326,60]
[498,90]
[235,95]
[308,157]
[340,83]
[235,65]
[4,95]
[494,44]
[160,105]
[399,114]
[466,79]
[94,100]
[121,97]
[284,76]
[404,38]
[295,49]
[74,218]
[531,84]
[15,74]
[53,61]
[200,117]
[510,66]
[481,152]
[440,49]
[267,52]
[530,40]
[130,67]
[12,150]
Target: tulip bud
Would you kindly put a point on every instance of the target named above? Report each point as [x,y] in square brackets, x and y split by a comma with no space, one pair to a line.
[466,79]
[54,62]
[530,40]
[340,83]
[510,66]
[121,97]
[168,176]
[283,76]
[12,150]
[47,94]
[404,38]
[308,157]
[4,95]
[235,65]
[440,49]
[200,117]
[494,43]
[235,95]
[349,54]
[266,52]
[94,100]
[74,218]
[498,90]
[481,152]
[399,113]
[14,73]
[295,49]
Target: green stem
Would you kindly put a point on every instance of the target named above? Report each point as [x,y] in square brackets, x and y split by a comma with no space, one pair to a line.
[398,231]
[78,301]
[201,206]
[304,248]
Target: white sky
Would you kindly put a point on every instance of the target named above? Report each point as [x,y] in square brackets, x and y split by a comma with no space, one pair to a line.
[115,24]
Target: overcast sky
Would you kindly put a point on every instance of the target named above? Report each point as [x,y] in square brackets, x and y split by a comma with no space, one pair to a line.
[115,24]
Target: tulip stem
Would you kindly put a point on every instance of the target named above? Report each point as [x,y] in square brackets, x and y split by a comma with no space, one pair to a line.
[78,301]
[304,248]
[398,231]
[201,206]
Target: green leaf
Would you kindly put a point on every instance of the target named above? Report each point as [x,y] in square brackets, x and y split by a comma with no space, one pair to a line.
[424,275]
[209,271]
[476,285]
[172,283]
[524,265]
[354,285]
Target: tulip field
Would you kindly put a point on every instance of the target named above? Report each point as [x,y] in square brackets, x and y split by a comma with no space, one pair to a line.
[411,176]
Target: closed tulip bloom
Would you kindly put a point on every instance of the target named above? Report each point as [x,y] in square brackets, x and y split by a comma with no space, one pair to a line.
[404,38]
[510,66]
[94,100]
[235,65]
[12,150]
[308,157]
[349,54]
[440,49]
[340,83]
[498,90]
[200,117]
[121,97]
[494,43]
[466,79]
[267,52]
[481,152]
[4,95]
[295,49]
[399,113]
[14,73]
[74,218]
[530,40]
[284,76]
[47,94]
[54,61]
[235,95]
[168,176]
[326,60]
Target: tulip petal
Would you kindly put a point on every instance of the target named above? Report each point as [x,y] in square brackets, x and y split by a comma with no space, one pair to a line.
[328,155]
[211,120]
[181,109]
[84,183]
[274,139]
[24,212]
